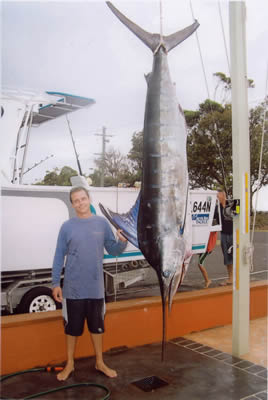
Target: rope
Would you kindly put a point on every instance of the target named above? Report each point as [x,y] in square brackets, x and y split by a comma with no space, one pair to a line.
[200,53]
[260,163]
[207,88]
[116,263]
[224,40]
[161,22]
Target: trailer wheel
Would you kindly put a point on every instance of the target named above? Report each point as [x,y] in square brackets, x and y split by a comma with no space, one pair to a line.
[38,299]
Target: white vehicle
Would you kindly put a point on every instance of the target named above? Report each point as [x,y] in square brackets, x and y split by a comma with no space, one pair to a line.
[32,215]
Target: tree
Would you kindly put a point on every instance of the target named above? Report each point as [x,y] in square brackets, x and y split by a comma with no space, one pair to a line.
[224,83]
[209,146]
[136,153]
[58,177]
[257,123]
[116,169]
[220,134]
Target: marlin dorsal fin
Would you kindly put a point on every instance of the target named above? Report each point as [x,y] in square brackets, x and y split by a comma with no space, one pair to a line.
[154,40]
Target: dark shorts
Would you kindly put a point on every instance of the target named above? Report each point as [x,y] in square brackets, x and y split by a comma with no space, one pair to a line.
[202,257]
[226,246]
[76,311]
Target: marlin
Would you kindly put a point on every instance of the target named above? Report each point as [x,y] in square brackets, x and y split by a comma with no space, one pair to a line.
[159,223]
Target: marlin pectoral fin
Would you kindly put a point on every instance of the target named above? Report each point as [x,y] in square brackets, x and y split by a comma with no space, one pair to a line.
[185,213]
[174,285]
[127,221]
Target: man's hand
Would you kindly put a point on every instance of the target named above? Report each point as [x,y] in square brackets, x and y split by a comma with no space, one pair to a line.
[57,294]
[120,236]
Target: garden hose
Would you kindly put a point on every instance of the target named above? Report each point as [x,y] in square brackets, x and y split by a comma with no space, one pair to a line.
[51,369]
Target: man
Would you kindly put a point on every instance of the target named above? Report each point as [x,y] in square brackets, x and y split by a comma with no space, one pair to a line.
[82,240]
[226,239]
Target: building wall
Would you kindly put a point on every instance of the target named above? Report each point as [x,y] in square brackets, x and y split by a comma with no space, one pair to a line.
[31,340]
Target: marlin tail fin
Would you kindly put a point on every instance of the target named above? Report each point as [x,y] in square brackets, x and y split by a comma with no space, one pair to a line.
[154,40]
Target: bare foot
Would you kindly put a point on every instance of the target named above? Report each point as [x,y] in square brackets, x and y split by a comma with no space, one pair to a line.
[65,373]
[111,373]
[207,283]
[226,283]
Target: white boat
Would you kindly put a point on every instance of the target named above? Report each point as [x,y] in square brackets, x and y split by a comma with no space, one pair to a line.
[32,214]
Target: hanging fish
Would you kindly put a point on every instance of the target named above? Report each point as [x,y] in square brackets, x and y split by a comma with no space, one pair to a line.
[159,223]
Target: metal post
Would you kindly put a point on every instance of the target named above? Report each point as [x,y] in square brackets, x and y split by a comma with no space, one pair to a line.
[241,177]
[21,135]
[21,172]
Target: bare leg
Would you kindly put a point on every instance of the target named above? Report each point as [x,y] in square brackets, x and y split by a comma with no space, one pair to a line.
[229,281]
[69,367]
[205,275]
[230,273]
[100,366]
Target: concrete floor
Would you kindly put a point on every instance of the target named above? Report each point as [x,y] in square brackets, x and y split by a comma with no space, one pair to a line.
[195,367]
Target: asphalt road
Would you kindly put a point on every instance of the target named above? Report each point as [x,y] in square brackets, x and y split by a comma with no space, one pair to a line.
[193,280]
[217,272]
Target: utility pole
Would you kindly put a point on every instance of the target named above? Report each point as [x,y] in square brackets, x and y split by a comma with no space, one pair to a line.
[241,178]
[103,153]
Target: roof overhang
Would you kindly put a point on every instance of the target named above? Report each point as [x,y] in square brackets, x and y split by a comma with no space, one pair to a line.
[64,104]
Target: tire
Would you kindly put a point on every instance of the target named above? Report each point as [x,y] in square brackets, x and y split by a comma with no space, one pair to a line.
[38,299]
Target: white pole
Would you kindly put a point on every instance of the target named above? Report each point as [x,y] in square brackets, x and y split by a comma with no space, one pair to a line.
[241,177]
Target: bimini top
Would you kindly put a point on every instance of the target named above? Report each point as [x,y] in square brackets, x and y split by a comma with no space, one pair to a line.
[64,104]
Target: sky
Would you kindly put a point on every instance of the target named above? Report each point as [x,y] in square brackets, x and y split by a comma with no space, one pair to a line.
[81,48]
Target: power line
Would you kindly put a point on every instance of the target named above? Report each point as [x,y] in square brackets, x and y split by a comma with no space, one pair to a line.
[214,125]
[224,39]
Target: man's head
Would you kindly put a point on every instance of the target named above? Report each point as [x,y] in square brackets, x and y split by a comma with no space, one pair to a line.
[80,200]
[78,189]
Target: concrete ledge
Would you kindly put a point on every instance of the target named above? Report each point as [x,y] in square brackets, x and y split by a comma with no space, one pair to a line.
[30,340]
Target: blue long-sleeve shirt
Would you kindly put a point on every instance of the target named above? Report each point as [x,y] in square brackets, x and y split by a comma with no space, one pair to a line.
[82,241]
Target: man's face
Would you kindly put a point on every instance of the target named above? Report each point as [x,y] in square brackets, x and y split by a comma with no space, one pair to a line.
[80,202]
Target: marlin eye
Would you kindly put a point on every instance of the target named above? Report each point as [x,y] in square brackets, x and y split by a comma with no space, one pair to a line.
[166,273]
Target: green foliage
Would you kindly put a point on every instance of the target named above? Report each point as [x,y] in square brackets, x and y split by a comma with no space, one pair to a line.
[256,126]
[225,85]
[209,147]
[209,150]
[135,155]
[226,80]
[58,177]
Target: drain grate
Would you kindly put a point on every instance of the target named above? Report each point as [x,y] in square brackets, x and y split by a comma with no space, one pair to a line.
[150,383]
